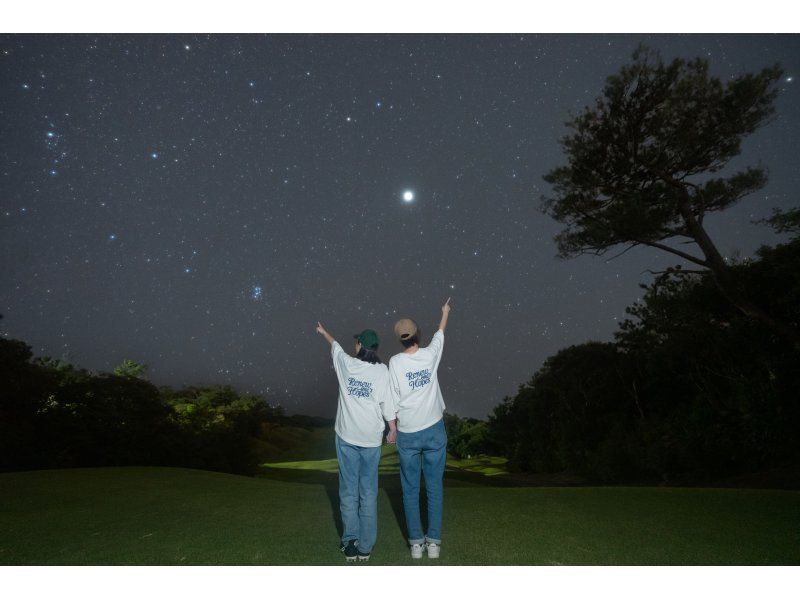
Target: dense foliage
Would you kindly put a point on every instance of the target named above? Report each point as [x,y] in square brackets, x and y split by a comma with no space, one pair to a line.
[466,437]
[643,166]
[55,415]
[691,389]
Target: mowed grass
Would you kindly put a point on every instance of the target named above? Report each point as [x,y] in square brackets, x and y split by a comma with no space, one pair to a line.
[163,516]
[390,463]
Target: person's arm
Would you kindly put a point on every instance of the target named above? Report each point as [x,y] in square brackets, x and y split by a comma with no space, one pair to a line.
[445,313]
[321,330]
[388,408]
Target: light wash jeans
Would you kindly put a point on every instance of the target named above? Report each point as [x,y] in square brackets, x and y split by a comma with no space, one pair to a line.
[426,450]
[358,492]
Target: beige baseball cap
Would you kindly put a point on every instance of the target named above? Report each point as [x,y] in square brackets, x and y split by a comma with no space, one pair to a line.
[405,328]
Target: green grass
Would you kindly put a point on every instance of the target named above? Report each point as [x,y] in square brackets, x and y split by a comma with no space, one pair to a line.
[390,463]
[280,443]
[151,515]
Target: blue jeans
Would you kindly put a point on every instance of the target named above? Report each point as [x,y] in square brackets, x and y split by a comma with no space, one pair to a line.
[426,450]
[358,492]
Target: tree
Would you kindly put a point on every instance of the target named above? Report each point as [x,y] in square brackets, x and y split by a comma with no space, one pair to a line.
[130,369]
[641,164]
[784,222]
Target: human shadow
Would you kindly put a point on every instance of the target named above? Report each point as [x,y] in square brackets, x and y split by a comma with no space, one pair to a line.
[331,485]
[391,485]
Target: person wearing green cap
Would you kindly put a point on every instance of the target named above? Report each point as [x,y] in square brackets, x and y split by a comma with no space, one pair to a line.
[365,400]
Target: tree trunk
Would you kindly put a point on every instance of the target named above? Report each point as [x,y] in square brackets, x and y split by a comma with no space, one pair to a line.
[724,279]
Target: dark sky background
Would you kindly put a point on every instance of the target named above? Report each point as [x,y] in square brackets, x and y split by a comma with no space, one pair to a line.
[197,203]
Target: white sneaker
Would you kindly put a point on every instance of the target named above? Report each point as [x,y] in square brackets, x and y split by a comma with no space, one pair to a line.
[417,550]
[433,550]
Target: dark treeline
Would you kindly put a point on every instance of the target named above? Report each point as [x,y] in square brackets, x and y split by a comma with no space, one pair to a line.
[691,389]
[54,415]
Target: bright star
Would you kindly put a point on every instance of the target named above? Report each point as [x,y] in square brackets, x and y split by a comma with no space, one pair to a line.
[112,236]
[154,155]
[789,79]
[408,196]
[187,47]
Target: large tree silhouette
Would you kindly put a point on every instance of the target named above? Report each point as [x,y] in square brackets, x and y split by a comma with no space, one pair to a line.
[641,164]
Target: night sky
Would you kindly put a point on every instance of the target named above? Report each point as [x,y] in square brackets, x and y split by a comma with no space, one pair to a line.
[197,203]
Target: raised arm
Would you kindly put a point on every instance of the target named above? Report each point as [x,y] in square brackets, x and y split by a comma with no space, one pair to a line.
[321,330]
[445,313]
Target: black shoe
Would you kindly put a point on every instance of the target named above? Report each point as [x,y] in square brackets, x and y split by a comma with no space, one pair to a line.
[350,550]
[363,556]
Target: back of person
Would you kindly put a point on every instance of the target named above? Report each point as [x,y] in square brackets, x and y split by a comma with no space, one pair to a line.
[421,436]
[413,376]
[364,399]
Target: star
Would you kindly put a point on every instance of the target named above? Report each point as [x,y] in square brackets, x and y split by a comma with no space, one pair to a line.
[408,196]
[154,156]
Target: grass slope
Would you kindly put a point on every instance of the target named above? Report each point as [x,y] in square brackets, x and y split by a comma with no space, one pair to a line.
[150,515]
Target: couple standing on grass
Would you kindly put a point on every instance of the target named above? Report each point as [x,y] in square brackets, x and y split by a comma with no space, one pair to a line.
[408,397]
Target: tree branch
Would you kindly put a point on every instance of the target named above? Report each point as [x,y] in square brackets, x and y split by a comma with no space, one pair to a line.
[627,249]
[677,252]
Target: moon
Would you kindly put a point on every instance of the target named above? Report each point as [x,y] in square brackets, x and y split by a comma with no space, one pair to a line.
[408,196]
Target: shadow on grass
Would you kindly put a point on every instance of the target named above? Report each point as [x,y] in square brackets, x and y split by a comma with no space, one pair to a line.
[481,471]
[331,485]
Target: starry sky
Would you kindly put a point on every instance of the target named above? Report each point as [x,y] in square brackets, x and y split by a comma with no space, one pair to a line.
[197,203]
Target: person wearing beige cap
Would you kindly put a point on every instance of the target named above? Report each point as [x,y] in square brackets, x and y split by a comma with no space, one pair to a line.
[421,437]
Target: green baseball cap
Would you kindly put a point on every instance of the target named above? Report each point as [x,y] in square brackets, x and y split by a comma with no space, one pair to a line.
[368,339]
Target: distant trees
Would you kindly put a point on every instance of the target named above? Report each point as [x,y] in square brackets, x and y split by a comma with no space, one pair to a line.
[53,414]
[690,389]
[641,165]
[466,437]
[130,369]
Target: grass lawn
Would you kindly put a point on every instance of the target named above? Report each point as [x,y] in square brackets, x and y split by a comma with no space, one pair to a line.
[390,463]
[155,516]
